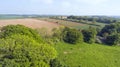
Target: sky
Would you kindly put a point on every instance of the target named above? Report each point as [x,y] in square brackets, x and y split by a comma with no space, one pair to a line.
[61,7]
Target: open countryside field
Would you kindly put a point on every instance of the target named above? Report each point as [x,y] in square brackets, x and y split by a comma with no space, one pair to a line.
[66,23]
[71,24]
[32,23]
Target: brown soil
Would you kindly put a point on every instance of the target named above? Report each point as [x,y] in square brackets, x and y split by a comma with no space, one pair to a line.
[33,23]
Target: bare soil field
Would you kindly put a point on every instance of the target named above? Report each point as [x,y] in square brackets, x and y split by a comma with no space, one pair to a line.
[33,23]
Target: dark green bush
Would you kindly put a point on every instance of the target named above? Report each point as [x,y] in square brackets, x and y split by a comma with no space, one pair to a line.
[72,36]
[90,35]
[113,40]
[110,29]
[55,63]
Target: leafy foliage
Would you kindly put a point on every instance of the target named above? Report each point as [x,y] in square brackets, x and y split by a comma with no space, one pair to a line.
[55,63]
[111,29]
[113,39]
[90,35]
[58,33]
[111,34]
[24,51]
[21,46]
[19,29]
[72,36]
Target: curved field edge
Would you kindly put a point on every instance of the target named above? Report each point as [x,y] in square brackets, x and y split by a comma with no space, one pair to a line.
[86,55]
[32,23]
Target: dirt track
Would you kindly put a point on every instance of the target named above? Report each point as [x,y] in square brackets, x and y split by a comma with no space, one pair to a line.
[33,23]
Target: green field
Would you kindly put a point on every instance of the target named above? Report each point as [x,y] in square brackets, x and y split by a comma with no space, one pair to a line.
[88,55]
[72,24]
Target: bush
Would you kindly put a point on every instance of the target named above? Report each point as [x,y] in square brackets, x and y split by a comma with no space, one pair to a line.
[23,51]
[58,33]
[55,63]
[90,35]
[113,39]
[19,29]
[72,36]
[110,29]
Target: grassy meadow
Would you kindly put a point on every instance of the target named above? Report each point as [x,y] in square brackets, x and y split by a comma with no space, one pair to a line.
[88,55]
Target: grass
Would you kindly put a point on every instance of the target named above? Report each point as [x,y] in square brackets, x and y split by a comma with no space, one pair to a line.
[86,55]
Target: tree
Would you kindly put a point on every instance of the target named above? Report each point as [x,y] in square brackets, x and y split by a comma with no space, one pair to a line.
[72,36]
[58,33]
[90,35]
[113,39]
[111,29]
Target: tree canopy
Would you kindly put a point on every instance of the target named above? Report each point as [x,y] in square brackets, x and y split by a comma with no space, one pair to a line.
[90,35]
[72,36]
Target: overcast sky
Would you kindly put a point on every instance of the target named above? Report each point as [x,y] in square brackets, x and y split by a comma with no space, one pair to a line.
[60,7]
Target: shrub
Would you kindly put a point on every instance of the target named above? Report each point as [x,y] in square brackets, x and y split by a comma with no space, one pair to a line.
[72,36]
[113,39]
[90,35]
[19,29]
[58,33]
[110,29]
[55,63]
[23,51]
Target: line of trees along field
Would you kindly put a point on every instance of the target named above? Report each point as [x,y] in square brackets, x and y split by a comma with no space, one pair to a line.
[100,19]
[21,46]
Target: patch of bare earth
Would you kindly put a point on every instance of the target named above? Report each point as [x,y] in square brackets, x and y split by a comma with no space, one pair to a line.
[65,52]
[32,23]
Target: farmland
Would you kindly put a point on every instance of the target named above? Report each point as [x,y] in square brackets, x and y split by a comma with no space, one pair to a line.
[72,24]
[33,23]
[80,50]
[59,33]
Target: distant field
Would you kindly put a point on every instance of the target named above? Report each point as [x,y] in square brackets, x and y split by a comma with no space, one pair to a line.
[4,17]
[71,24]
[33,23]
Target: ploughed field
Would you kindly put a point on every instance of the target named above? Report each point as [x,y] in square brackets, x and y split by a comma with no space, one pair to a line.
[32,23]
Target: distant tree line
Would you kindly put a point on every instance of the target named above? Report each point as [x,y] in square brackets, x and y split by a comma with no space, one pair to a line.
[102,19]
